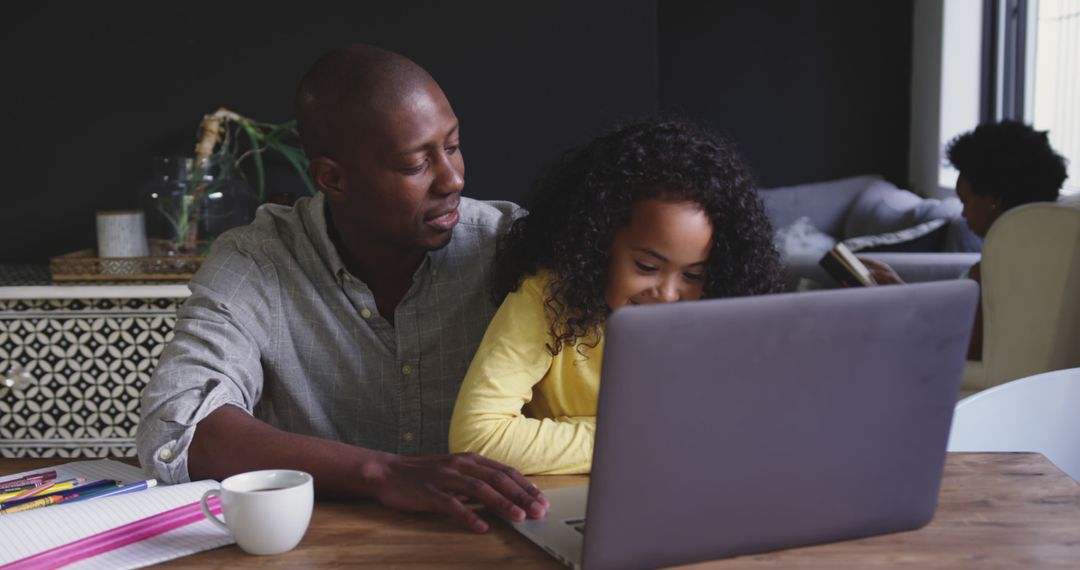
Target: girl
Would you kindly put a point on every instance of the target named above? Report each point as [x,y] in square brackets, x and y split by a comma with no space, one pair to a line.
[653,212]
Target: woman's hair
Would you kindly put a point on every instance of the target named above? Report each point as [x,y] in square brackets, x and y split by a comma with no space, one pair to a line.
[1009,161]
[588,194]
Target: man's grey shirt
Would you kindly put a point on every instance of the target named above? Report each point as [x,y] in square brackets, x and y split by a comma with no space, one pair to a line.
[277,326]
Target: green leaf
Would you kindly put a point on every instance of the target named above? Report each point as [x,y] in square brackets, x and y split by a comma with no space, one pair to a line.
[224,164]
[256,156]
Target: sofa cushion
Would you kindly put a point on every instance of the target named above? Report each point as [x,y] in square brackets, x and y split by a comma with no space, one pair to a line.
[824,203]
[802,238]
[884,208]
[926,236]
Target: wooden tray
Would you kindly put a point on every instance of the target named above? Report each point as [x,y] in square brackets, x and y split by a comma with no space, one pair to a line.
[84,265]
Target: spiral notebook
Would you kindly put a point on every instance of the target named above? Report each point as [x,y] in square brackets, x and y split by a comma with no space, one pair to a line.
[37,531]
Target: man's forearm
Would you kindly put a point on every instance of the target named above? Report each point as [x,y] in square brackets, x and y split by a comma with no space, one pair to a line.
[229,441]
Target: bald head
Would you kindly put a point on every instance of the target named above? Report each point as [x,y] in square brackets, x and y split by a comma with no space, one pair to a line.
[349,91]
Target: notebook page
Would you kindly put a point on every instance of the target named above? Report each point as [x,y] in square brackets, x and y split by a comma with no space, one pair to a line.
[183,541]
[94,470]
[29,532]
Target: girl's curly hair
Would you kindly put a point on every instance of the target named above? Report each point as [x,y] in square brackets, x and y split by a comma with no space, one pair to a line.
[588,194]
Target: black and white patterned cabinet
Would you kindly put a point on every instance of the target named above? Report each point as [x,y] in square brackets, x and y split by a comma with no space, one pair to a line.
[73,362]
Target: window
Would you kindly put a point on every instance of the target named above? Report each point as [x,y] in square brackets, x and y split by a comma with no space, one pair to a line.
[1054,83]
[979,61]
[1036,45]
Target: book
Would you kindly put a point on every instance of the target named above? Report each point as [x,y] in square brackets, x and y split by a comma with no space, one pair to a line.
[124,531]
[840,263]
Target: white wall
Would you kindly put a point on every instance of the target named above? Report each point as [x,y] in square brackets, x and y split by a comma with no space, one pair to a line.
[944,87]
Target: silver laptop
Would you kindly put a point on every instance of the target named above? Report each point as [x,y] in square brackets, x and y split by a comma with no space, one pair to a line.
[736,426]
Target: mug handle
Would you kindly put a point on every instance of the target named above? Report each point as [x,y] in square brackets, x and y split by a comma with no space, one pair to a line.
[206,509]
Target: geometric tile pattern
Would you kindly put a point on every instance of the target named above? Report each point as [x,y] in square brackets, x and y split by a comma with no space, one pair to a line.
[89,360]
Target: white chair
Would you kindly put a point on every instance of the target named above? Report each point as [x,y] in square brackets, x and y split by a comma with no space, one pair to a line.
[1037,413]
[1030,295]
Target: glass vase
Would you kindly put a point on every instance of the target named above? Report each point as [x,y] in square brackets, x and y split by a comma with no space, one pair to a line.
[178,200]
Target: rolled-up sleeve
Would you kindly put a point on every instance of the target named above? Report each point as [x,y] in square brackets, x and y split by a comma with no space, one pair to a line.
[213,359]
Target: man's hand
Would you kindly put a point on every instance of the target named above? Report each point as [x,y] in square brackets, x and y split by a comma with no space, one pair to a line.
[438,484]
[229,441]
[882,273]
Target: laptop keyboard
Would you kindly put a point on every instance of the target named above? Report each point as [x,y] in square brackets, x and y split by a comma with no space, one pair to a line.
[576,524]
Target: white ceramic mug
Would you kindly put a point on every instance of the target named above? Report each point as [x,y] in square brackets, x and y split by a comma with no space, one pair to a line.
[267,512]
[121,234]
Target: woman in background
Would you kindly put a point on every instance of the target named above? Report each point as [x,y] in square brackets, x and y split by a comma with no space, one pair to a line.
[1002,165]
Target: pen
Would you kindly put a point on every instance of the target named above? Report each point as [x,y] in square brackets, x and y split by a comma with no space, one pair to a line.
[107,492]
[22,487]
[15,491]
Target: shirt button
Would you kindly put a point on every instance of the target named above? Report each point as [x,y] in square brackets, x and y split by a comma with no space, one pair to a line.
[365,313]
[406,370]
[408,436]
[165,454]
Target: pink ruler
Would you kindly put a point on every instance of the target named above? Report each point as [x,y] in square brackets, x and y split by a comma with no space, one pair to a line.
[113,539]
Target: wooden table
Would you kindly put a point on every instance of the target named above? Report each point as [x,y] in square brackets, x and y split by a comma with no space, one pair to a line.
[997,510]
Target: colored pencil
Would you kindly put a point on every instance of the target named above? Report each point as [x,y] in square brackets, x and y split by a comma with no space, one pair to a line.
[34,504]
[32,479]
[70,496]
[50,487]
[74,490]
[118,537]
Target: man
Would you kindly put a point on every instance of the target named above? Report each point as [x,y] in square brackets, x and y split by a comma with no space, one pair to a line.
[331,337]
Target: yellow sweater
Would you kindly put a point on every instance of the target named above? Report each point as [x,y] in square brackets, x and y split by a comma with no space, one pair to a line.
[519,405]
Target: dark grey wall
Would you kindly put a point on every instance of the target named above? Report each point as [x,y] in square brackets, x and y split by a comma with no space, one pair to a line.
[94,90]
[811,89]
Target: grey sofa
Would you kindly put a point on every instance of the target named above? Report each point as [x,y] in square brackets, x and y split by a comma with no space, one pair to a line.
[922,239]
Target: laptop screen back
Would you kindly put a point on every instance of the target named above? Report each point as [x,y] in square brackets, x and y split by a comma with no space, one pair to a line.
[745,425]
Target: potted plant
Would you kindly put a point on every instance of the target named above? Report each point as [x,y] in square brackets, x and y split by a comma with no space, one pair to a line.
[227,143]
